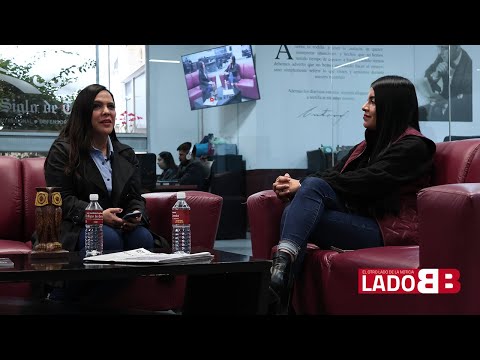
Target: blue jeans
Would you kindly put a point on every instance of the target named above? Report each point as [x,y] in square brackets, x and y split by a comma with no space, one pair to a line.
[115,239]
[232,79]
[316,215]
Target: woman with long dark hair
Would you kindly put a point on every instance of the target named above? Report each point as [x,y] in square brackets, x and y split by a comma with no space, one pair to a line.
[369,198]
[233,71]
[87,158]
[167,164]
[206,85]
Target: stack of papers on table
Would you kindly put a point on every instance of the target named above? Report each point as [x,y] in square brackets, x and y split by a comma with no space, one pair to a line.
[6,263]
[143,256]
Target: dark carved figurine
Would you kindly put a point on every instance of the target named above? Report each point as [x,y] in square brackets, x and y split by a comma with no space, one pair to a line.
[48,216]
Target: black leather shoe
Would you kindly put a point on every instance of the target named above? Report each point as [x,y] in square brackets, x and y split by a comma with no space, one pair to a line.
[281,280]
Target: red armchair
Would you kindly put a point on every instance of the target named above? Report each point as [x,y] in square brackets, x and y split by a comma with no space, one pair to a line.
[248,81]
[12,221]
[12,235]
[159,293]
[449,230]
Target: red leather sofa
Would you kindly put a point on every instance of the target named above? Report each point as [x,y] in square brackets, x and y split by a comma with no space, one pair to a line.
[248,81]
[449,226]
[20,177]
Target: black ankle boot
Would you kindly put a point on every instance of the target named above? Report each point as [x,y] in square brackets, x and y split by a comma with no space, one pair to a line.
[281,280]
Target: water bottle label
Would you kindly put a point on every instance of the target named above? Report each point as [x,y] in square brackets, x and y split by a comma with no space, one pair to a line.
[180,217]
[94,217]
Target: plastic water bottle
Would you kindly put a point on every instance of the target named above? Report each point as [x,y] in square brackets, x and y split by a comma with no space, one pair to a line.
[181,225]
[93,227]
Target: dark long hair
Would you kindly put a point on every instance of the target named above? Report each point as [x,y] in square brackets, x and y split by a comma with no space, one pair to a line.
[168,159]
[78,129]
[201,67]
[397,109]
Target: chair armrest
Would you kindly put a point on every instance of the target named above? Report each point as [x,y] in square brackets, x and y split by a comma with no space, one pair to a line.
[264,215]
[449,230]
[14,247]
[205,210]
[449,225]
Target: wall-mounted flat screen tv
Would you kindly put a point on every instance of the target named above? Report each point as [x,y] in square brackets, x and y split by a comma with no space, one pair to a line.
[220,76]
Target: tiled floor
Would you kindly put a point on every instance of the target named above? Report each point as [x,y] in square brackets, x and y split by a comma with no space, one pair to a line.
[238,246]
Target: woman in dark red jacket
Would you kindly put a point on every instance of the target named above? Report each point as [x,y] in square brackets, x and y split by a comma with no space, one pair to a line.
[369,198]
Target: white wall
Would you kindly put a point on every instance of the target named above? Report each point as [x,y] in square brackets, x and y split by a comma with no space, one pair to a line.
[294,113]
[171,122]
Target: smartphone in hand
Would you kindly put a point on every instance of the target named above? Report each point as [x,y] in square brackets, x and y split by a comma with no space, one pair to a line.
[132,214]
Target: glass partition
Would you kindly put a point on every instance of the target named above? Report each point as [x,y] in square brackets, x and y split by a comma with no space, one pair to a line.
[323,88]
[442,75]
[39,82]
[123,72]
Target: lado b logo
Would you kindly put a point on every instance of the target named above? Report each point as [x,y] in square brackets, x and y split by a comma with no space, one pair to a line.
[408,281]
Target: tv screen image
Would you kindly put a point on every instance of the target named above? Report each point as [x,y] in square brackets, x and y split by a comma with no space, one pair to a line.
[220,76]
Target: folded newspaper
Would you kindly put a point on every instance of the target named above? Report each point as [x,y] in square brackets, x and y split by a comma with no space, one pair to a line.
[142,255]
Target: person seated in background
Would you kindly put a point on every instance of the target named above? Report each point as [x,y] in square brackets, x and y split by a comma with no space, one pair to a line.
[191,170]
[233,71]
[168,166]
[206,85]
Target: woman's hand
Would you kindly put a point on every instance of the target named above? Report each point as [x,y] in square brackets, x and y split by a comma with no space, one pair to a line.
[131,223]
[111,219]
[285,187]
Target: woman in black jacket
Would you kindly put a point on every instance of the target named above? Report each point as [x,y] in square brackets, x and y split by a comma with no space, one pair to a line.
[206,85]
[369,198]
[168,166]
[87,158]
